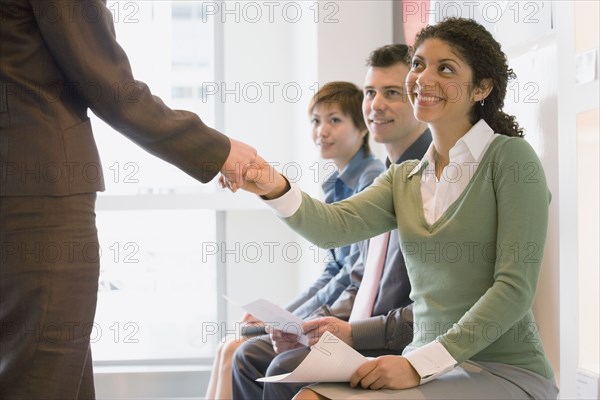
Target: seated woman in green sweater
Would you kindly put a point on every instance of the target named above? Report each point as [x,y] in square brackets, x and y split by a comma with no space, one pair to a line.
[472,217]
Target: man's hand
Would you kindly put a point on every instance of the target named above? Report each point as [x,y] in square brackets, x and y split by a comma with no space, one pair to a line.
[241,156]
[386,372]
[283,341]
[248,318]
[315,328]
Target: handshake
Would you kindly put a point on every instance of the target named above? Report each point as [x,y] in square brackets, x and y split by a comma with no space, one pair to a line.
[244,169]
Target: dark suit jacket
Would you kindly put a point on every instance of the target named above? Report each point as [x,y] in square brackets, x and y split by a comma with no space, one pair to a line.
[57,59]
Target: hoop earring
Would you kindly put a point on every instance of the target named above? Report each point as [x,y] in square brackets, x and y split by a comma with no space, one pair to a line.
[482,102]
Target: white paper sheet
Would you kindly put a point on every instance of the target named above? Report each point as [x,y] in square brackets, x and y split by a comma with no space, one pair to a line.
[330,360]
[275,316]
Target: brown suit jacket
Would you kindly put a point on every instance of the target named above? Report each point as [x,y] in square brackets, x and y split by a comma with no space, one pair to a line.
[59,58]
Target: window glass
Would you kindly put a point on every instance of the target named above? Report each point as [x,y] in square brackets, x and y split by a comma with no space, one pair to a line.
[155,291]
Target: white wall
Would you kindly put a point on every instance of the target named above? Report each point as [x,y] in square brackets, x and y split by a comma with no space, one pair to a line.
[292,50]
[577,24]
[533,99]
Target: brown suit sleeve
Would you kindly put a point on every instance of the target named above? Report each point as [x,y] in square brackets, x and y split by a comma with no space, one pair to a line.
[80,37]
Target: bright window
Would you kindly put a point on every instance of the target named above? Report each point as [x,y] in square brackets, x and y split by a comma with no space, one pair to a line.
[155,290]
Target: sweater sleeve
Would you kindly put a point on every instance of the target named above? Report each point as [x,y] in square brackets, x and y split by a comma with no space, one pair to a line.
[362,216]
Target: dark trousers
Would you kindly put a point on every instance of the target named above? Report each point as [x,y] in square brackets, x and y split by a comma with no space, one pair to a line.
[256,359]
[49,267]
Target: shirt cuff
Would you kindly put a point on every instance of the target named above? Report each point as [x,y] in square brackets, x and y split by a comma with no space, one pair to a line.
[286,205]
[431,361]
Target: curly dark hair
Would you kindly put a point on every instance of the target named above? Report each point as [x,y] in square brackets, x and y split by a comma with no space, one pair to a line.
[487,60]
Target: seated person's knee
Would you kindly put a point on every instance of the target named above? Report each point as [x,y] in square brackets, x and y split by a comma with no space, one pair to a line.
[287,361]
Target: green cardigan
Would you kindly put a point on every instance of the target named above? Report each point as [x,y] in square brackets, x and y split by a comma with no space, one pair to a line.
[473,272]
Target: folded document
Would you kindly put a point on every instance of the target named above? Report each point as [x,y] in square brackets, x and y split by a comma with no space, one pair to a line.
[330,360]
[275,316]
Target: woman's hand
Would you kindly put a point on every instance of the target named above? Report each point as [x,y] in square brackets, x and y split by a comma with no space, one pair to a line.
[259,178]
[386,372]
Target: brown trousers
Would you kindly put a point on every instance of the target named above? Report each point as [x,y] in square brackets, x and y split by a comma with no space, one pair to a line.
[49,267]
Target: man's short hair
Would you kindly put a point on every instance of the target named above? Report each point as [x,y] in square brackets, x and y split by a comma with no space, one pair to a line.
[389,55]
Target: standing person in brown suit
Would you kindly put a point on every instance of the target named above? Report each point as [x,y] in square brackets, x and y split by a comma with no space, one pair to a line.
[57,59]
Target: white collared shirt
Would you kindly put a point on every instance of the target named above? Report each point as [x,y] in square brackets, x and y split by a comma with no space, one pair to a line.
[465,155]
